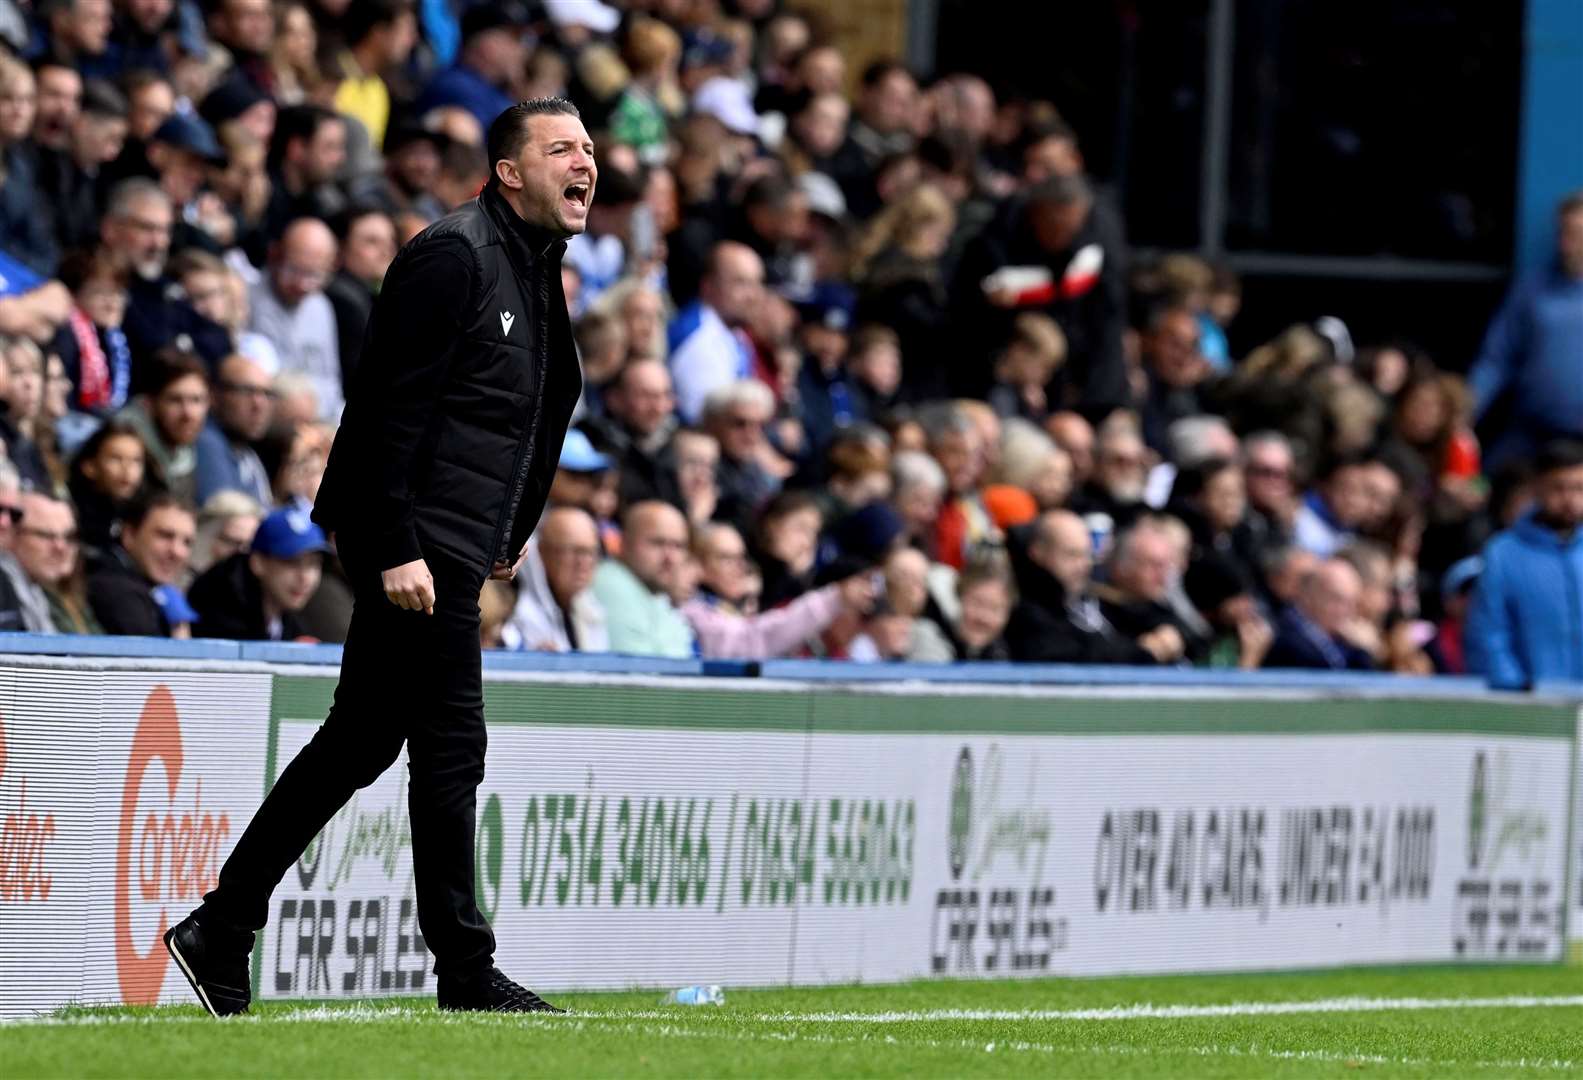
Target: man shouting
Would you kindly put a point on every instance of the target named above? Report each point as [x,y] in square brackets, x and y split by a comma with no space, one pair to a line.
[450,438]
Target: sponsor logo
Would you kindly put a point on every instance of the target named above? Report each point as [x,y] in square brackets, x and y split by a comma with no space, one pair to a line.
[1506,902]
[25,836]
[168,847]
[959,824]
[506,319]
[486,858]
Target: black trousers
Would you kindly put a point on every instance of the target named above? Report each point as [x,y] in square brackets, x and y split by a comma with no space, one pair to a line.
[406,677]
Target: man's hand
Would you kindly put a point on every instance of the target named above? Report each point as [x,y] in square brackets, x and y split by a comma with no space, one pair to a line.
[502,572]
[858,592]
[1164,643]
[410,586]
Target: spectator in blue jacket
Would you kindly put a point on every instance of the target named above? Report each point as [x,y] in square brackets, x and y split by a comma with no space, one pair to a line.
[1534,348]
[1526,623]
[493,54]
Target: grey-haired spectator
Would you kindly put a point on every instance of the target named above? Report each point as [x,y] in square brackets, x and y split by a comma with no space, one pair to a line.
[1270,468]
[136,231]
[40,557]
[226,524]
[48,551]
[257,596]
[1312,633]
[1120,475]
[918,489]
[1136,595]
[736,414]
[151,551]
[556,609]
[292,311]
[1057,617]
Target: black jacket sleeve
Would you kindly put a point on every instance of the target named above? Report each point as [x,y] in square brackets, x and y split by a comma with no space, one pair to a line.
[408,353]
[124,605]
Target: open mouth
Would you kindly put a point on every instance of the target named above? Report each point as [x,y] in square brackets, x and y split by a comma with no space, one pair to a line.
[577,194]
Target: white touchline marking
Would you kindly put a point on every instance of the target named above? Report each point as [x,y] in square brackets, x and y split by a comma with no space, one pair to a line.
[331,1013]
[1181,1012]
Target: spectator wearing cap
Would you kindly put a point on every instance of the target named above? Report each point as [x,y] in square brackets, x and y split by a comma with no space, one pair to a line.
[151,551]
[824,393]
[170,417]
[641,619]
[380,35]
[70,178]
[257,596]
[136,232]
[1456,598]
[306,155]
[1526,622]
[490,62]
[1534,348]
[238,101]
[709,344]
[556,609]
[291,309]
[1312,633]
[586,479]
[244,406]
[181,153]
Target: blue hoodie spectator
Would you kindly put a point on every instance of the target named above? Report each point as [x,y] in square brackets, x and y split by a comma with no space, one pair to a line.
[1534,348]
[1526,623]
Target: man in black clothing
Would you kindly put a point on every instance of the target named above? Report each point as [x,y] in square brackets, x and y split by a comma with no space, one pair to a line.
[255,596]
[1056,619]
[436,481]
[152,551]
[1074,272]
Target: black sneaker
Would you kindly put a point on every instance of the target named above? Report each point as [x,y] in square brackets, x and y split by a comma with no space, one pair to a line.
[218,976]
[490,991]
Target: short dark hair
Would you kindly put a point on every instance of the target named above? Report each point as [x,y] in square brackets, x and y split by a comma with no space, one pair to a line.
[298,122]
[1557,455]
[100,98]
[363,17]
[880,70]
[1060,191]
[509,133]
[171,365]
[140,509]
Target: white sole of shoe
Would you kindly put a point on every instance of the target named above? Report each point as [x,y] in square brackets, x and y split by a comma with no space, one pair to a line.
[181,962]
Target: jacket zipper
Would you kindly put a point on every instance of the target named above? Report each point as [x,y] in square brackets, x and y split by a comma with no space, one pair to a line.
[524,457]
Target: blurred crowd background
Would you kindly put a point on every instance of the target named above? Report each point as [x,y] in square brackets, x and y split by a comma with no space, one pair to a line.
[875,367]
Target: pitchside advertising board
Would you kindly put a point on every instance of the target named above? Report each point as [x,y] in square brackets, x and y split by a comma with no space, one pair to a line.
[661,832]
[120,793]
[752,835]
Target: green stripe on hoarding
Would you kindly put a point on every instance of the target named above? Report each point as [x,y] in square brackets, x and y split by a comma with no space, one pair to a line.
[834,711]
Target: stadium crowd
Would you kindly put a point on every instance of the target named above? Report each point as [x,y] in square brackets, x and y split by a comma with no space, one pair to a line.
[868,375]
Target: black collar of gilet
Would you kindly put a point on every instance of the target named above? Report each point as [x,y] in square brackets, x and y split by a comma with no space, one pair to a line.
[526,243]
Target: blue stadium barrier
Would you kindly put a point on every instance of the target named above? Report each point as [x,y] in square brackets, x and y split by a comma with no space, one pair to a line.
[813,671]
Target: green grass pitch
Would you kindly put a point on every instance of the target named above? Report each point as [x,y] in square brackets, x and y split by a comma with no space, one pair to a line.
[1434,1022]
